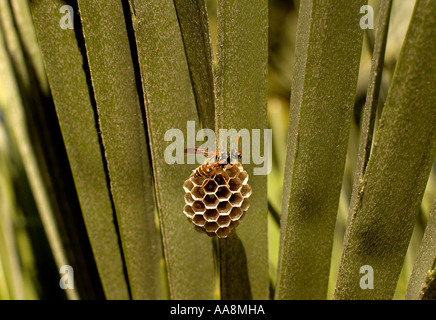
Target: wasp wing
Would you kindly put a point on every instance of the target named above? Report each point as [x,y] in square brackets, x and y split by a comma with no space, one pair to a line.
[196,150]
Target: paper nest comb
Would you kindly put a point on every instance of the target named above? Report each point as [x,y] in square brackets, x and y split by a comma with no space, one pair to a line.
[217,208]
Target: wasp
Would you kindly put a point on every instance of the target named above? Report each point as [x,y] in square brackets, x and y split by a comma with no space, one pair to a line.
[217,160]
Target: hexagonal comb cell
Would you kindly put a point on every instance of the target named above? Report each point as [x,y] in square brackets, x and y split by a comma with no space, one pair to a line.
[197,193]
[210,187]
[198,207]
[210,201]
[199,220]
[223,193]
[223,232]
[236,214]
[197,181]
[224,207]
[243,176]
[216,204]
[245,204]
[224,221]
[211,214]
[188,211]
[211,226]
[246,190]
[221,178]
[188,185]
[233,225]
[233,171]
[235,184]
[188,198]
[236,199]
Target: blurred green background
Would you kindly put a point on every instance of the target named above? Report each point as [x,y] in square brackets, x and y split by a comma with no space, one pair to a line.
[27,267]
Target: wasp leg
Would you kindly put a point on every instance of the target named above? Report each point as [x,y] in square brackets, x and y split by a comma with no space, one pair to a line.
[204,185]
[227,183]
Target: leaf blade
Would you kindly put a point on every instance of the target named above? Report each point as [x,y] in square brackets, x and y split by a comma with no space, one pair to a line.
[241,104]
[122,128]
[170,104]
[75,112]
[394,181]
[194,26]
[424,263]
[324,83]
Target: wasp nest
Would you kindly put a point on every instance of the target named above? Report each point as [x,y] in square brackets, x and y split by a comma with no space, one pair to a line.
[216,208]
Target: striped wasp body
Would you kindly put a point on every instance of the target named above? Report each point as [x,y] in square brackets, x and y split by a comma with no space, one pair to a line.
[211,165]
